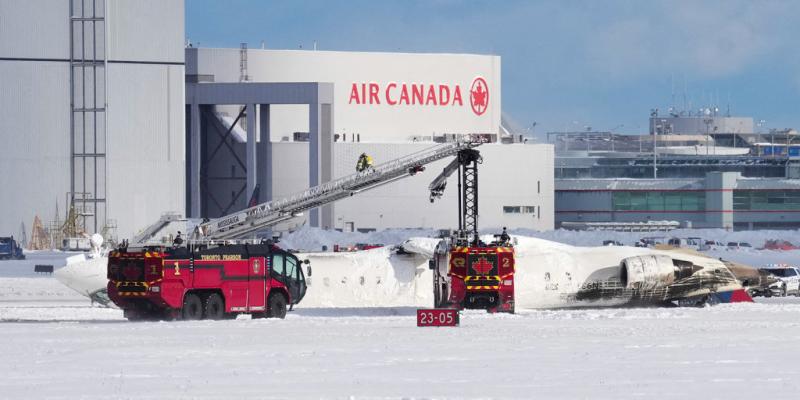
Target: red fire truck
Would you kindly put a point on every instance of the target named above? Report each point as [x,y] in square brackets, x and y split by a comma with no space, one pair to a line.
[204,282]
[475,277]
[468,273]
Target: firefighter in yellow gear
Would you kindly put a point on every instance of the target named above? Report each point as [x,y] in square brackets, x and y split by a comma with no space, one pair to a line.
[364,162]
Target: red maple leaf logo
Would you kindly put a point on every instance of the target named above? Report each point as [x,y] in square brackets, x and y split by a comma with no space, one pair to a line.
[479,96]
[482,266]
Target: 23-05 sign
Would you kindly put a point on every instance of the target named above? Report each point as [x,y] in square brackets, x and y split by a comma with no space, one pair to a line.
[437,317]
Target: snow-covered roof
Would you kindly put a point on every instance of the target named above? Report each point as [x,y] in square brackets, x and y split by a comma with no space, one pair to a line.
[629,184]
[671,184]
[767,184]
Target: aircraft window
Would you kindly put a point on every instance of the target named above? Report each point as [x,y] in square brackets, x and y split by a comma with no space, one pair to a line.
[277,264]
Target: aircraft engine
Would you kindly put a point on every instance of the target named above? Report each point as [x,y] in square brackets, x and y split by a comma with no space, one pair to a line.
[647,272]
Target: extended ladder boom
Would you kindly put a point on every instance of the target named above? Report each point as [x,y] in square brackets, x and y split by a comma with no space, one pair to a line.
[466,162]
[267,214]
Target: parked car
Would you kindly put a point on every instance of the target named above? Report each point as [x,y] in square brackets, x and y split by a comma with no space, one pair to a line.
[690,243]
[651,241]
[788,280]
[777,244]
[612,243]
[714,245]
[739,246]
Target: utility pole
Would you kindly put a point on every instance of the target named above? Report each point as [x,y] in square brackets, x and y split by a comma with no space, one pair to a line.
[655,157]
[708,122]
[655,147]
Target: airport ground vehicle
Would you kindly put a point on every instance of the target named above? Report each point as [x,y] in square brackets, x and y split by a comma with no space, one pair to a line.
[689,242]
[202,282]
[468,273]
[714,244]
[777,244]
[9,248]
[739,246]
[788,281]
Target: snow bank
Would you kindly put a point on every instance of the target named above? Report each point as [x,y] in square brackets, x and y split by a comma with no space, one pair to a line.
[27,290]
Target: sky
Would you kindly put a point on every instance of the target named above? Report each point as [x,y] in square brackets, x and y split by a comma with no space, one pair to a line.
[566,65]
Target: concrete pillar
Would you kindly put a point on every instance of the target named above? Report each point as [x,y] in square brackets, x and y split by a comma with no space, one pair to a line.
[326,159]
[264,155]
[313,157]
[195,158]
[719,198]
[252,144]
[320,157]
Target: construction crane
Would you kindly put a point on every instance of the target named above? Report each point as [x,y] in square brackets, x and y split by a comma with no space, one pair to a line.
[247,222]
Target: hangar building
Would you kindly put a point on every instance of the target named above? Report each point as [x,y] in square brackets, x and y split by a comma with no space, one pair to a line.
[91,112]
[101,97]
[387,105]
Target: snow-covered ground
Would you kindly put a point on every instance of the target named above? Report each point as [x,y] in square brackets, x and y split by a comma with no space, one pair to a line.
[728,351]
[56,345]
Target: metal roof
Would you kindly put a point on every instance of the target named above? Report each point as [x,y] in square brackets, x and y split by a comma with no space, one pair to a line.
[671,184]
[767,184]
[629,184]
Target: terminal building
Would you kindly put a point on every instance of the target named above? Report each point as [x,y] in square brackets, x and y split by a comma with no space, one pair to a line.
[114,121]
[701,170]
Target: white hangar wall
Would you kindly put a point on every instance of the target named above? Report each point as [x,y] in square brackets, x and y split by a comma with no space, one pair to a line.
[512,175]
[369,89]
[130,88]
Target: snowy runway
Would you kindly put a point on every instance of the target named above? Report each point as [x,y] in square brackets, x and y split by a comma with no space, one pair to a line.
[727,351]
[54,344]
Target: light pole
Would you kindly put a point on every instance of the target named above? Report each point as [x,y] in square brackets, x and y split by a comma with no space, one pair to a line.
[655,156]
[708,122]
[611,134]
[655,147]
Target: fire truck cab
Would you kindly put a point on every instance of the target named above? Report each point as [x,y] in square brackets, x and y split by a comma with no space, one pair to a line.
[202,282]
[474,277]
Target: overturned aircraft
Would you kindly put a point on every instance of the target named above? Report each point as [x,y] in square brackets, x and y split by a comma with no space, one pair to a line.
[548,275]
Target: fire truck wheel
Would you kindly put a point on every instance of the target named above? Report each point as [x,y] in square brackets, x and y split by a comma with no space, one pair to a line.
[215,306]
[277,306]
[192,307]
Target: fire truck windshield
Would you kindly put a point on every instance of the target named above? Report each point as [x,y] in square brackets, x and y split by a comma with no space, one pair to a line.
[286,268]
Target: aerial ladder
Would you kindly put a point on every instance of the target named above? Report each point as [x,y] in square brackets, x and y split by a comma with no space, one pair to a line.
[265,215]
[248,222]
